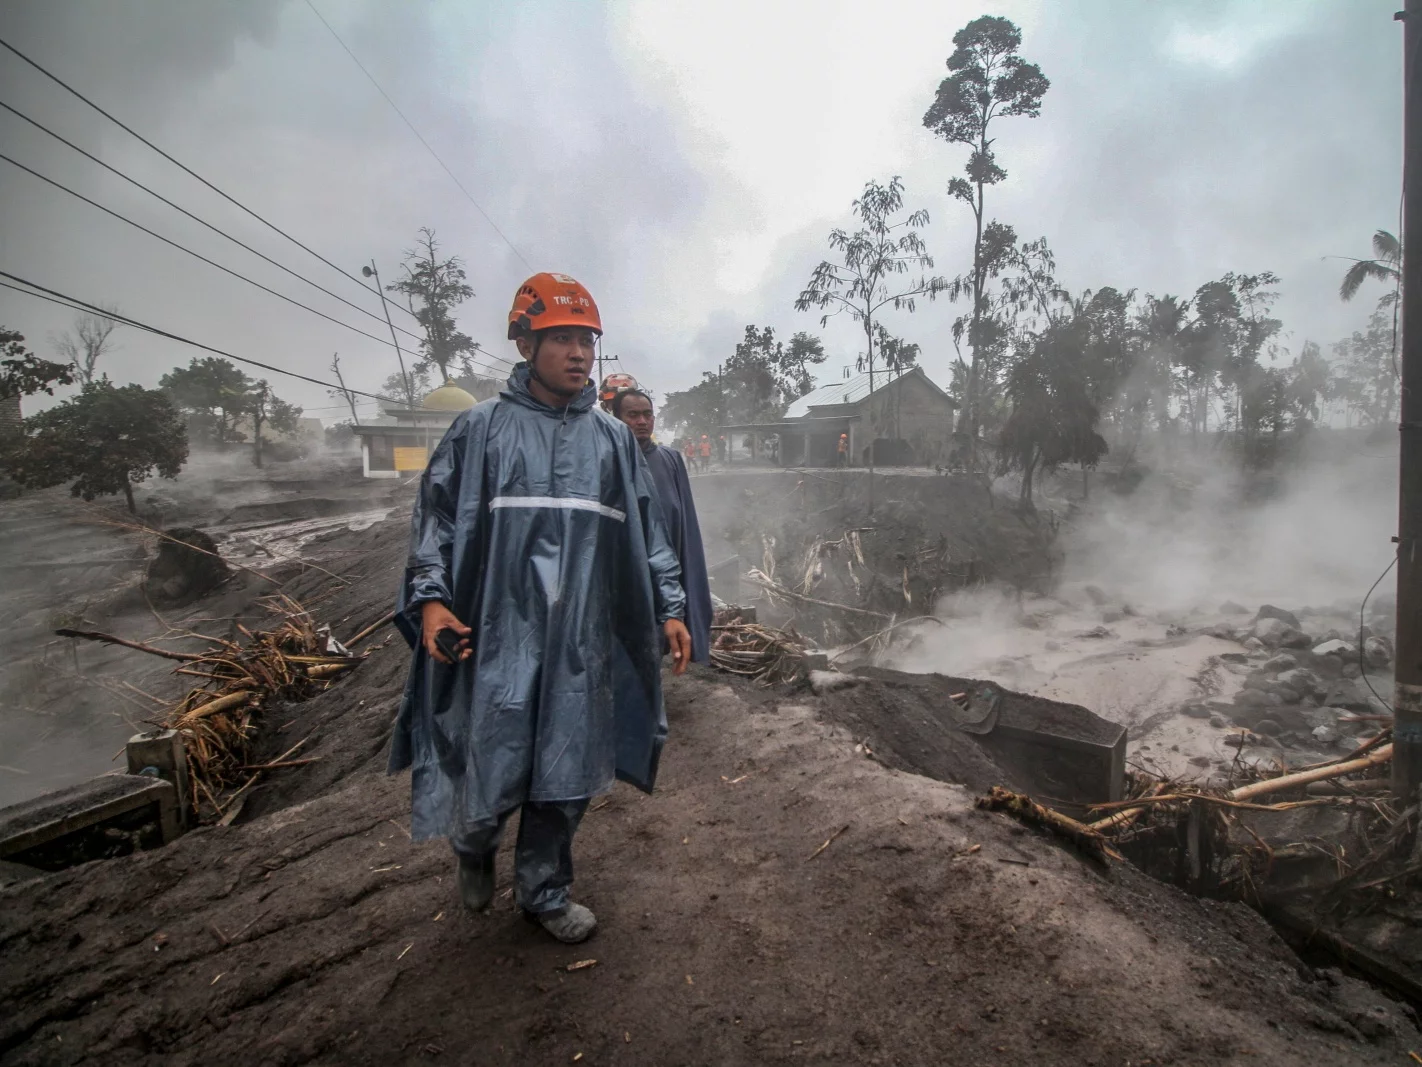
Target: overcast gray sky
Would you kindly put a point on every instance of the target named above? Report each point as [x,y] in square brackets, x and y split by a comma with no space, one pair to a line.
[684,160]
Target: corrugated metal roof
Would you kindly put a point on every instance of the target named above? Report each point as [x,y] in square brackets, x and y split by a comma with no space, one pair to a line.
[849,391]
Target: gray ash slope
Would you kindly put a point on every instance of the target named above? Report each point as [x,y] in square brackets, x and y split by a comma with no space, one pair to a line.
[314,931]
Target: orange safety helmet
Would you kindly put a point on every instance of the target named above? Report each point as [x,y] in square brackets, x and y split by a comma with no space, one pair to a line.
[614,384]
[547,300]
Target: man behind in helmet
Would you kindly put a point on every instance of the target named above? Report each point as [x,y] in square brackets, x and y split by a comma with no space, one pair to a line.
[538,579]
[612,385]
[634,407]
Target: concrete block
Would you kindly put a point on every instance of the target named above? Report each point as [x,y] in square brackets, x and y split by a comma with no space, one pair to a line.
[108,816]
[160,753]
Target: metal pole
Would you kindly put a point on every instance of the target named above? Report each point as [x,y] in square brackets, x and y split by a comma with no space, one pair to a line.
[409,387]
[1407,691]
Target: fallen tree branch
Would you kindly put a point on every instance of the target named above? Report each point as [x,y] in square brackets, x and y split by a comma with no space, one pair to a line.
[758,578]
[378,624]
[1029,811]
[1318,774]
[110,639]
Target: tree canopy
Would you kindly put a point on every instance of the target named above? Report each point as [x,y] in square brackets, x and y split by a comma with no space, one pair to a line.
[22,373]
[103,441]
[435,287]
[212,390]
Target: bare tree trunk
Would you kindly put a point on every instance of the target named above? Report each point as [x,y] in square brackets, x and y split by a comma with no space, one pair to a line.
[128,497]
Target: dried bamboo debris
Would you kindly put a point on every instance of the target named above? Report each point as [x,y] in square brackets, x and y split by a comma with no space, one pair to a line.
[218,718]
[764,653]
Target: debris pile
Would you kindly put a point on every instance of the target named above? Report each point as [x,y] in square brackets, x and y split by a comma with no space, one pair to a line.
[240,680]
[764,653]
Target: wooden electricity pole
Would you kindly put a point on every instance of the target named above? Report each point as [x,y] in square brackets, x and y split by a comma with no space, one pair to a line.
[1407,692]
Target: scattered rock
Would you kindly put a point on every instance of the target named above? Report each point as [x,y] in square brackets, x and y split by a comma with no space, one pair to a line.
[1223,632]
[1253,644]
[1251,698]
[1286,694]
[1281,662]
[186,567]
[1302,680]
[1325,735]
[1351,670]
[1271,631]
[1268,727]
[1112,616]
[1218,722]
[1096,632]
[1196,711]
[1377,651]
[1200,761]
[1269,611]
[1229,607]
[1335,647]
[1175,631]
[1097,594]
[1295,639]
[1234,657]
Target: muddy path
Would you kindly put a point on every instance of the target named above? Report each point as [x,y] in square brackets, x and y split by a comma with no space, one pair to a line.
[314,931]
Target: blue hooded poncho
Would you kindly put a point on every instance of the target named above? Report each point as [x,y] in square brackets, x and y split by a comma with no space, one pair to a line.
[679,510]
[540,528]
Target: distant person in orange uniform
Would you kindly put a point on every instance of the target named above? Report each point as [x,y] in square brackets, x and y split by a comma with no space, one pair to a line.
[705,453]
[841,458]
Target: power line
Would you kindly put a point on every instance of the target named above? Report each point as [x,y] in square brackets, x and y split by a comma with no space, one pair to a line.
[189,251]
[435,155]
[195,218]
[74,303]
[186,169]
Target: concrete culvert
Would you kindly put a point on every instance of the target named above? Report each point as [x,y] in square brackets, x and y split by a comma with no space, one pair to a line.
[186,567]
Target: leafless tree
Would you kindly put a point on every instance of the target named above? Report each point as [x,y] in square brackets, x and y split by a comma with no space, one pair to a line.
[90,338]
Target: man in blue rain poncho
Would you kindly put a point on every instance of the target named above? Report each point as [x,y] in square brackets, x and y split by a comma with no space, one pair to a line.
[634,407]
[538,591]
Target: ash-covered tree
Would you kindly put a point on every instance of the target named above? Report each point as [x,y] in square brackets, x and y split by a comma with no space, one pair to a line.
[341,391]
[987,81]
[103,441]
[1367,376]
[1053,419]
[213,392]
[698,410]
[86,342]
[417,381]
[1385,267]
[434,287]
[804,351]
[882,265]
[266,409]
[22,373]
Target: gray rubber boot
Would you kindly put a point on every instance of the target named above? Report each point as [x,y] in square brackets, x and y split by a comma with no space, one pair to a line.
[476,882]
[569,924]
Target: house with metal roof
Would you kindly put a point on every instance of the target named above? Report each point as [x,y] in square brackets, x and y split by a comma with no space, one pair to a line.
[906,419]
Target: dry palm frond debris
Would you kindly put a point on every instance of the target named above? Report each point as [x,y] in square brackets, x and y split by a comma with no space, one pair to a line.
[239,680]
[765,653]
[1210,837]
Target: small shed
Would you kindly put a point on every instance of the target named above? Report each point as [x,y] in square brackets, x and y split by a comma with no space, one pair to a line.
[905,418]
[401,440]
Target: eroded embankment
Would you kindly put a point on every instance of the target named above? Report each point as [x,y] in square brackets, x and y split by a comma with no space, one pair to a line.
[314,930]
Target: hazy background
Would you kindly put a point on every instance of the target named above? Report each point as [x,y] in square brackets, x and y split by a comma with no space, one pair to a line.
[684,160]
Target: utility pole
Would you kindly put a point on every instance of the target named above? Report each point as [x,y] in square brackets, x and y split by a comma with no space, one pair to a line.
[1407,688]
[371,272]
[602,362]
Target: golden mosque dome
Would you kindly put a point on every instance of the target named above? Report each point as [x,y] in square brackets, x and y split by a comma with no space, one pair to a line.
[448,398]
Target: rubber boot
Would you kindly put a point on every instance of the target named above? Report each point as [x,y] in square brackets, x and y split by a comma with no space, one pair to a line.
[570,924]
[476,881]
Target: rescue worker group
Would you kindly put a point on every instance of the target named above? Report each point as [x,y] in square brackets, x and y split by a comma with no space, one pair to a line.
[555,560]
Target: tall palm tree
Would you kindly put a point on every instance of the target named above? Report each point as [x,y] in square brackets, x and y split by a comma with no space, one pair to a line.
[1386,267]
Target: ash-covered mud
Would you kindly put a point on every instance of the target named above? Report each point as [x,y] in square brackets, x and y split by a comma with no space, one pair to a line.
[66,708]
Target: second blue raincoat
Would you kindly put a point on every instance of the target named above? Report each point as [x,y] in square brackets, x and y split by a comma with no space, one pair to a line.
[540,528]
